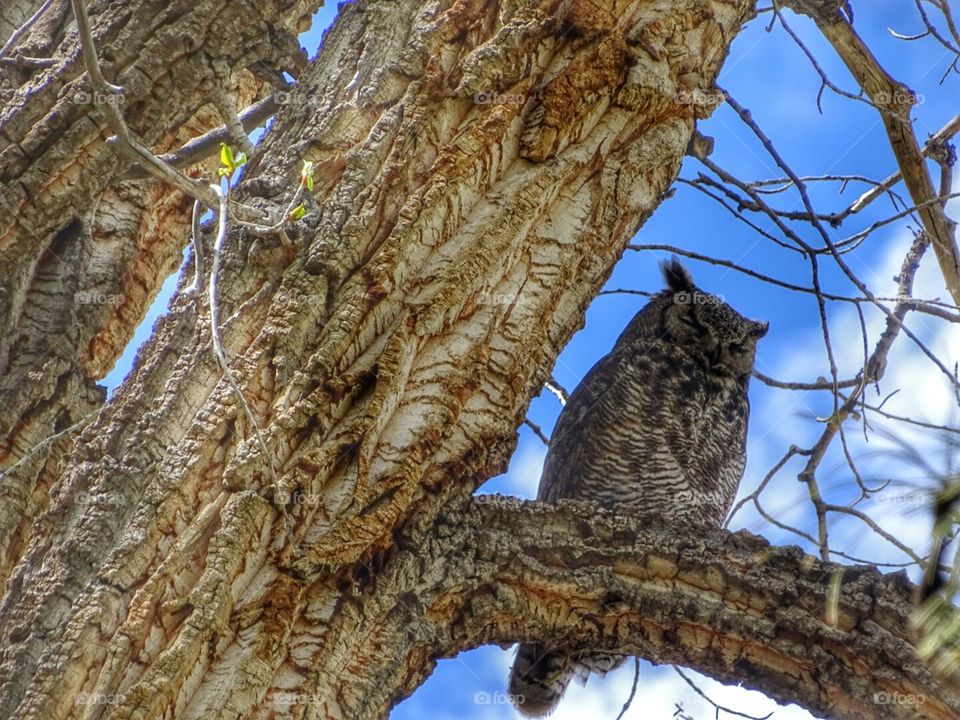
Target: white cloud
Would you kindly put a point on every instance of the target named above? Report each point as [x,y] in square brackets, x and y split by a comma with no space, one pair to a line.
[921,391]
[659,690]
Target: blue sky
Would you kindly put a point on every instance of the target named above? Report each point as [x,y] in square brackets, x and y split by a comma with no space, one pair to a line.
[768,74]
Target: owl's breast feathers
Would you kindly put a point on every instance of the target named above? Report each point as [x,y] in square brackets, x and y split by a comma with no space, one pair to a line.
[648,425]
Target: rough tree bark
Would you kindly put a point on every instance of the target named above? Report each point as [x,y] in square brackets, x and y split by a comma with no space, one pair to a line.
[480,168]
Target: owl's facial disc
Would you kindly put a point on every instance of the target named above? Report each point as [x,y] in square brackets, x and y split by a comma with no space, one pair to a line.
[737,356]
[689,331]
[720,339]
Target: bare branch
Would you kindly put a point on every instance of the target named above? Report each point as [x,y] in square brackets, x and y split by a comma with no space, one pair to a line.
[126,141]
[213,295]
[873,371]
[698,599]
[633,689]
[23,29]
[557,389]
[198,255]
[831,246]
[228,112]
[208,144]
[895,100]
[942,135]
[719,708]
[821,384]
[537,430]
[47,441]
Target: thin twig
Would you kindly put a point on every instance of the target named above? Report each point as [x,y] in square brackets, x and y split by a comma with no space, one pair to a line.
[910,421]
[747,118]
[23,29]
[125,139]
[633,690]
[894,100]
[537,430]
[198,257]
[208,144]
[46,441]
[755,495]
[821,384]
[943,134]
[716,705]
[824,78]
[625,291]
[228,113]
[213,292]
[557,389]
[736,213]
[932,307]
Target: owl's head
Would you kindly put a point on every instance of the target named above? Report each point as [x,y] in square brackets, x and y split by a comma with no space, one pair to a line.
[716,335]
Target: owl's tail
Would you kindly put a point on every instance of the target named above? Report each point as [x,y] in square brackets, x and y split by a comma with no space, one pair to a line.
[538,679]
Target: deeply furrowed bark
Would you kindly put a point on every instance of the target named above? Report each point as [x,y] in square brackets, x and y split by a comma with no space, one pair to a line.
[832,638]
[480,167]
[83,254]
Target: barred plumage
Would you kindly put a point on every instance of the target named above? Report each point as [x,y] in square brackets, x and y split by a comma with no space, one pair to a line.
[658,426]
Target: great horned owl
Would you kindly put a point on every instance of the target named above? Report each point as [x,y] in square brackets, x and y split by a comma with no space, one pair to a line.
[658,427]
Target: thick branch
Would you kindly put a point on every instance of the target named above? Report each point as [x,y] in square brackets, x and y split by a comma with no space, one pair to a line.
[832,638]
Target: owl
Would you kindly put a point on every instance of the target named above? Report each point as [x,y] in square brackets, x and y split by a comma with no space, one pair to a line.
[657,427]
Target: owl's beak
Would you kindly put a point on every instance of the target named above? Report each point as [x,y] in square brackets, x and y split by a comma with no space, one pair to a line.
[759,329]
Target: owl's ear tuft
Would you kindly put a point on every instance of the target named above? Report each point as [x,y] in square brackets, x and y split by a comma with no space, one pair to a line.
[676,275]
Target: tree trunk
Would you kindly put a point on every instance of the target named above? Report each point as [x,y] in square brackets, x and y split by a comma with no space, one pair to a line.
[480,167]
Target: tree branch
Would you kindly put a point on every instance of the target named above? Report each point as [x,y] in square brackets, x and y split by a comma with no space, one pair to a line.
[938,138]
[832,638]
[893,99]
[208,144]
[12,41]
